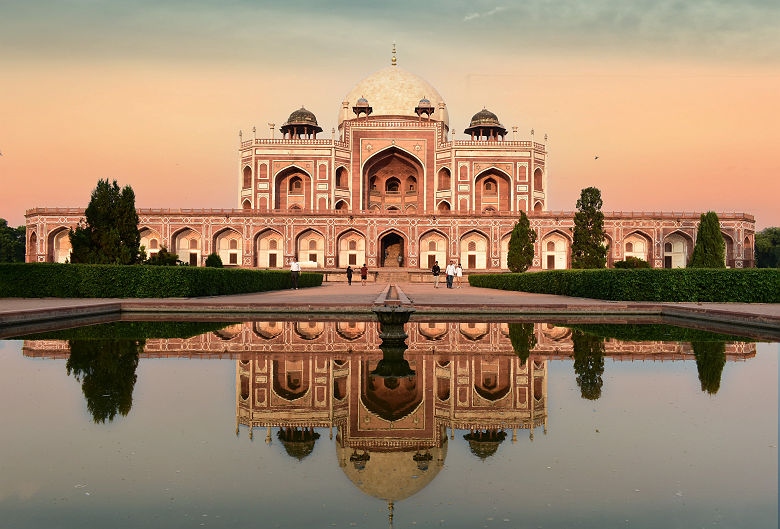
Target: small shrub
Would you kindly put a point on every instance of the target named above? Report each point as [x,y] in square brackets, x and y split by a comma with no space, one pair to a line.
[632,262]
[213,261]
[163,258]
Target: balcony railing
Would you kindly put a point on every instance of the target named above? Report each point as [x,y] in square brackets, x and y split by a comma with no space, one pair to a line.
[672,215]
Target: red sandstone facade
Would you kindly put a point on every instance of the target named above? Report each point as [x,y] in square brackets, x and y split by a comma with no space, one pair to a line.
[392,189]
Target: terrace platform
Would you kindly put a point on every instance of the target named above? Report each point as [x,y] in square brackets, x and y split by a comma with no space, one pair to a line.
[332,300]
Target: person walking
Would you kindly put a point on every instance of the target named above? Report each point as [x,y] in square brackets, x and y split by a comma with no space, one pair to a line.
[459,274]
[450,271]
[349,275]
[295,271]
[436,270]
[363,274]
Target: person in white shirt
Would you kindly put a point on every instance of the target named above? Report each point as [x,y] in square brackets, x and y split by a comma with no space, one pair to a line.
[459,274]
[295,271]
[450,272]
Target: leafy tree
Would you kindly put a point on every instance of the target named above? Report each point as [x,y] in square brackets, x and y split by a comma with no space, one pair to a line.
[110,234]
[163,258]
[768,248]
[106,371]
[710,249]
[523,339]
[12,243]
[588,363]
[520,253]
[710,359]
[588,250]
[214,261]
[632,262]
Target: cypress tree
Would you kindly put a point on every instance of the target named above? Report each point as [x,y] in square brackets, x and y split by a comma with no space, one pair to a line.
[588,249]
[109,235]
[520,253]
[710,249]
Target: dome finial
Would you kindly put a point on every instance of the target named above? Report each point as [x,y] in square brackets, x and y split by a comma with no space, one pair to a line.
[394,61]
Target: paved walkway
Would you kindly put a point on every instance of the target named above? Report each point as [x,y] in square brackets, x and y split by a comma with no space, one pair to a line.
[339,298]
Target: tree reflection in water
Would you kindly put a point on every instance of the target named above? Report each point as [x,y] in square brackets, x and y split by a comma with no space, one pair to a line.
[523,339]
[710,359]
[588,363]
[106,371]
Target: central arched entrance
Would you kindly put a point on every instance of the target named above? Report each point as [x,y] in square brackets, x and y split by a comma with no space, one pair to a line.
[391,250]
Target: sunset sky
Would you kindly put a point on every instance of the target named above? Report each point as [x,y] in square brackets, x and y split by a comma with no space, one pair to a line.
[678,99]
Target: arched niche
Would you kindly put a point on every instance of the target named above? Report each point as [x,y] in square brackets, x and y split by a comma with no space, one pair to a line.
[351,249]
[555,251]
[637,244]
[433,247]
[292,189]
[493,191]
[676,249]
[151,241]
[269,249]
[188,246]
[310,248]
[474,248]
[228,244]
[387,177]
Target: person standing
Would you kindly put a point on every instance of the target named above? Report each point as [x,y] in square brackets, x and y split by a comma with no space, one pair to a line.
[363,274]
[295,271]
[450,271]
[436,270]
[459,274]
[349,275]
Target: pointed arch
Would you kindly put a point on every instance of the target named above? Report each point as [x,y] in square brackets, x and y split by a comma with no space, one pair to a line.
[347,253]
[638,244]
[268,246]
[555,250]
[150,240]
[58,248]
[379,173]
[474,250]
[677,247]
[433,246]
[306,252]
[247,184]
[492,189]
[283,199]
[444,207]
[32,247]
[228,244]
[187,243]
[729,250]
[392,244]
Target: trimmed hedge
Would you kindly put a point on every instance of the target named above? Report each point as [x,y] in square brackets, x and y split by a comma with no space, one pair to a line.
[750,285]
[653,332]
[44,280]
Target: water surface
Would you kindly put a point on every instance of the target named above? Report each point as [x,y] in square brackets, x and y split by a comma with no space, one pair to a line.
[498,426]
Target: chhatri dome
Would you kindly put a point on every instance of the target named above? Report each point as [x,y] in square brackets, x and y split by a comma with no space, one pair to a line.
[393,91]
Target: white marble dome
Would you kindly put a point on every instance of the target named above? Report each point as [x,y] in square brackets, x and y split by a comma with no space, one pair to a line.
[393,91]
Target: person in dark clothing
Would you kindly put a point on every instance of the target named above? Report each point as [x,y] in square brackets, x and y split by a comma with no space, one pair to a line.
[363,274]
[349,274]
[436,270]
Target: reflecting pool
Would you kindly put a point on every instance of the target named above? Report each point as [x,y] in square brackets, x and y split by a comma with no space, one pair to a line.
[355,424]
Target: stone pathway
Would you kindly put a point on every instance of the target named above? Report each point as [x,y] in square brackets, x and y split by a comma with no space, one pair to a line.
[337,298]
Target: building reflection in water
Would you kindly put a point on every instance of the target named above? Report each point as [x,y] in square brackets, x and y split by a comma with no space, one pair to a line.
[391,432]
[486,380]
